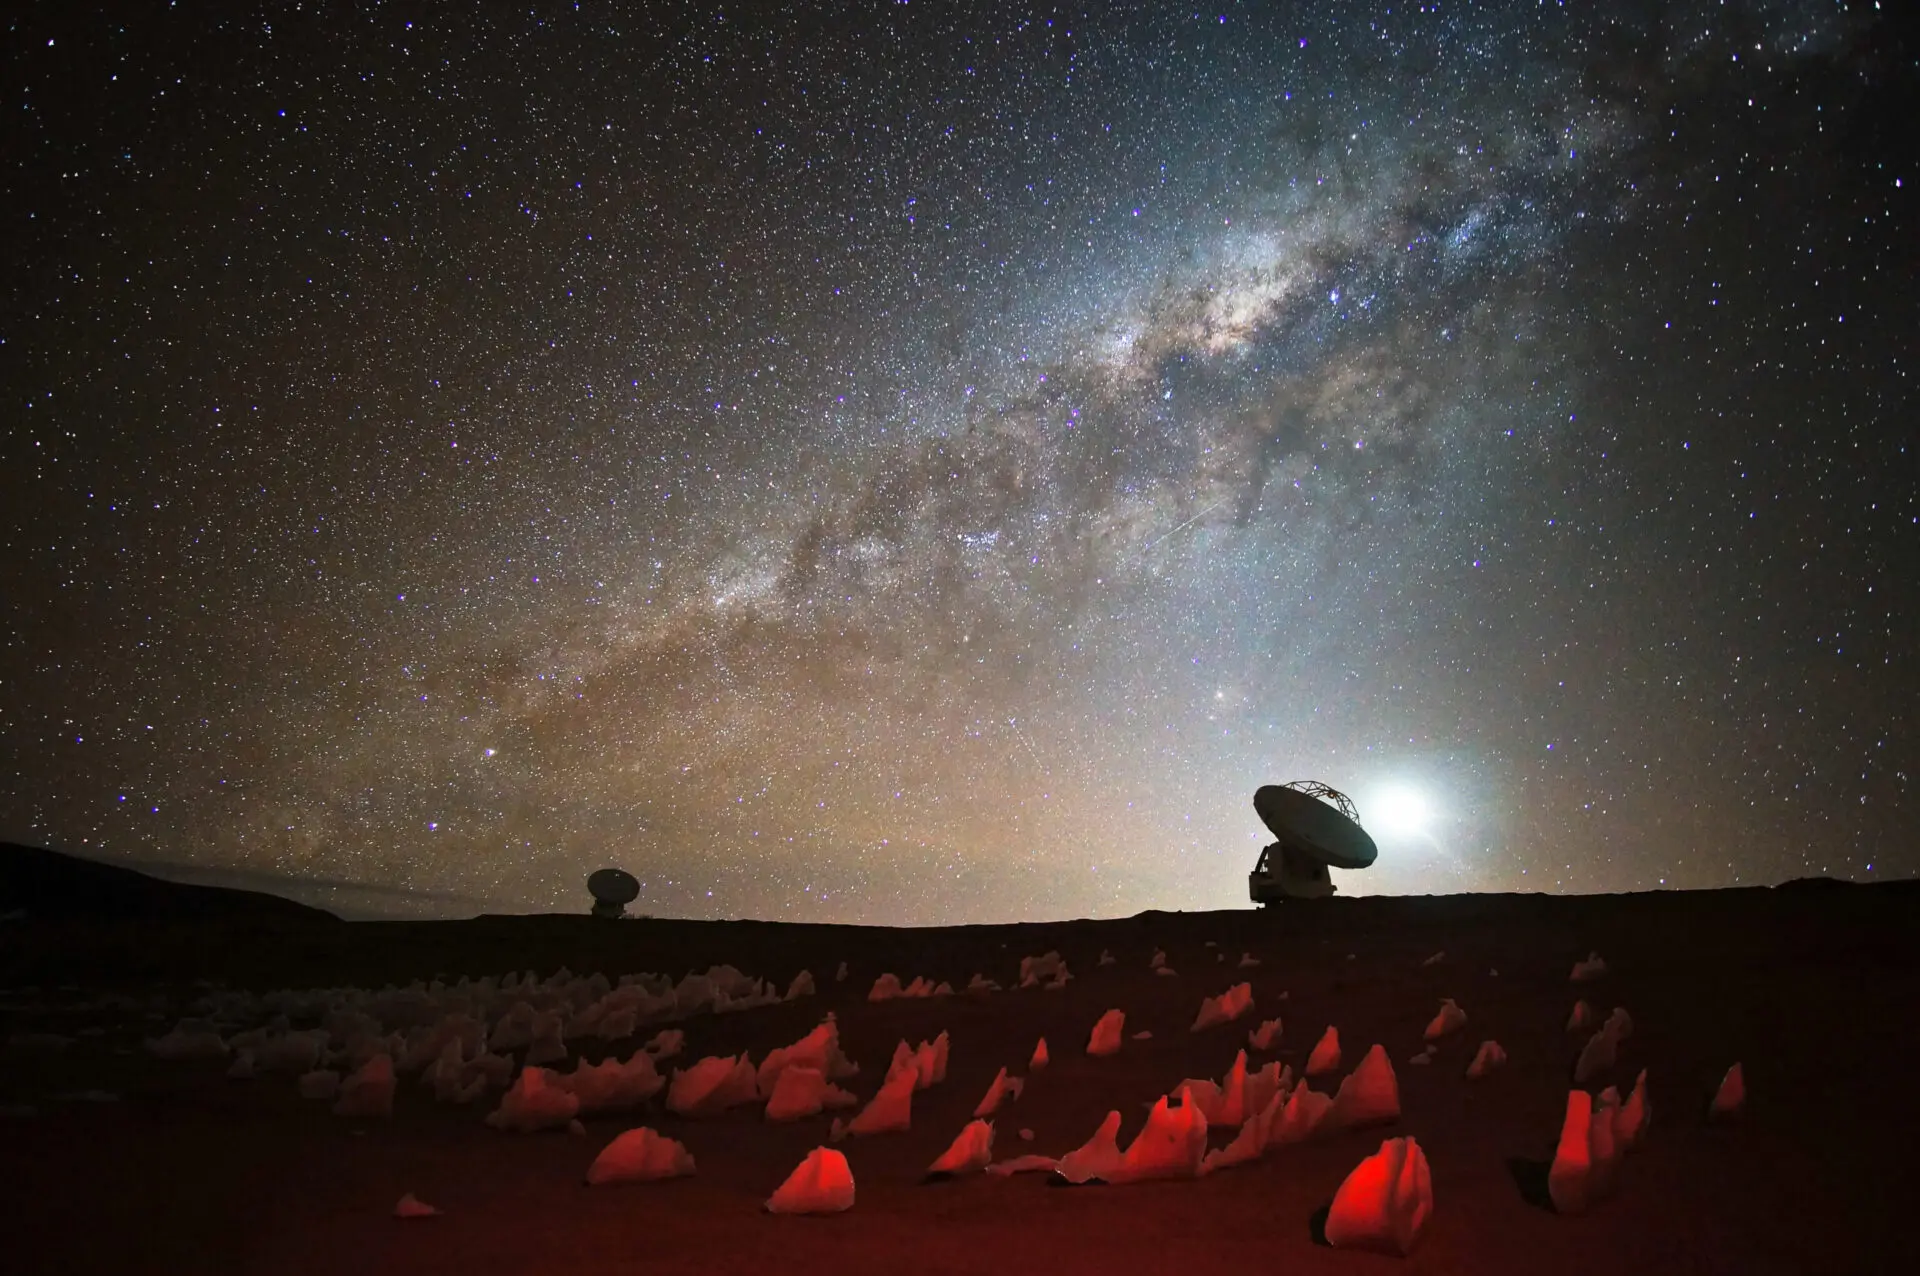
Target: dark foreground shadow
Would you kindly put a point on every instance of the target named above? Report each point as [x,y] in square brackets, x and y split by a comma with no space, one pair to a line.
[1531,1178]
[1317,1225]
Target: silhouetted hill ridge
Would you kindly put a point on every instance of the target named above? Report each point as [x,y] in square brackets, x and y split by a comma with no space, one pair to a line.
[45,884]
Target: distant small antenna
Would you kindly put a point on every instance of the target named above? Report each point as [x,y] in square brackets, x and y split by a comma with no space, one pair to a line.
[612,890]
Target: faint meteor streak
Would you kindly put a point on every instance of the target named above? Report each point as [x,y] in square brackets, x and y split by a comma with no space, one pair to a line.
[1176,531]
[1015,724]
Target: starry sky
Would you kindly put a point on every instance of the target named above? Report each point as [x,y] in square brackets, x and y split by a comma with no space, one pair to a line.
[927,463]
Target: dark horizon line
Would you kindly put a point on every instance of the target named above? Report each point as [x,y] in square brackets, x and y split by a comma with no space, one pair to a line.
[285,887]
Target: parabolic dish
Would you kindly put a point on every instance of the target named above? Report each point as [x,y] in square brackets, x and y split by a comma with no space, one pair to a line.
[614,886]
[1298,818]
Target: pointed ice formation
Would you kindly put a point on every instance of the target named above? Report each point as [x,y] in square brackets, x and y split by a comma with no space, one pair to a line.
[495,1069]
[1266,1036]
[615,1024]
[819,1050]
[1570,1179]
[712,1085]
[822,1184]
[1099,1158]
[1301,1119]
[1488,1057]
[546,1041]
[1248,961]
[1275,1096]
[1234,1109]
[840,975]
[1228,1006]
[369,1091]
[891,1109]
[294,1052]
[613,1086]
[802,986]
[1039,1059]
[459,1080]
[1326,1054]
[1158,959]
[1602,1047]
[1385,1203]
[536,1101]
[640,1156]
[411,1206]
[190,1039]
[1595,1057]
[1369,1095]
[1582,1017]
[886,988]
[1106,957]
[666,1043]
[802,1091]
[1003,1089]
[321,1083]
[980,985]
[928,1063]
[1223,1103]
[1048,971]
[1590,969]
[969,1153]
[1450,1020]
[513,1030]
[1731,1097]
[425,1044]
[1603,1145]
[1106,1034]
[1249,1145]
[1171,1146]
[1630,1124]
[1263,1085]
[1203,1093]
[933,1060]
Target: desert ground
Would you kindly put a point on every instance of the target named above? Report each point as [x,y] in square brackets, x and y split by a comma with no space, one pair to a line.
[117,1161]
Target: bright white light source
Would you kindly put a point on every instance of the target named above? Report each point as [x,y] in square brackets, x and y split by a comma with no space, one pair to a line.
[1399,811]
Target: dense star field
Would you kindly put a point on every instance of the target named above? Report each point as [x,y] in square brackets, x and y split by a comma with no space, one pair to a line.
[929,463]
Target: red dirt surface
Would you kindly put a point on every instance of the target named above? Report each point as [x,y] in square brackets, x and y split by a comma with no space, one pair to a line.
[1815,990]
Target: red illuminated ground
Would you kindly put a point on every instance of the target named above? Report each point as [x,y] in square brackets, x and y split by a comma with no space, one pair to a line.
[1815,990]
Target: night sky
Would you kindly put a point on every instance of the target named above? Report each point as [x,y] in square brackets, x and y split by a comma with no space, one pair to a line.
[922,463]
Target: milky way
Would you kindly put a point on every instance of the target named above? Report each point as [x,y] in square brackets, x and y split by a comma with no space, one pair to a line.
[931,464]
